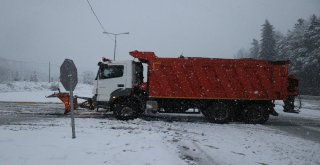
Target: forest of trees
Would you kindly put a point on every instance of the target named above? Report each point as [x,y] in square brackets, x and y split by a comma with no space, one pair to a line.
[300,45]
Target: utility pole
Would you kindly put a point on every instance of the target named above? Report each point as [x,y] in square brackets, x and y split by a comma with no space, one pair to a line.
[49,73]
[115,47]
[115,42]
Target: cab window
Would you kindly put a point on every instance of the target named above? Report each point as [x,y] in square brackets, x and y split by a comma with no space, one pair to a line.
[111,71]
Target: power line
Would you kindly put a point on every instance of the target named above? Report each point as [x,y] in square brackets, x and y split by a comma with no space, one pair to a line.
[94,13]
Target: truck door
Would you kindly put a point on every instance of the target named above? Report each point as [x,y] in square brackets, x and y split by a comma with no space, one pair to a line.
[110,78]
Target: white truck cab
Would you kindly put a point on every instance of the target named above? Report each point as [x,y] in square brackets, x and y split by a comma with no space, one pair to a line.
[116,78]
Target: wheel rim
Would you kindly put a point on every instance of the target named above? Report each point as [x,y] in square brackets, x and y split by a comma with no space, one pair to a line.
[127,111]
[256,114]
[220,114]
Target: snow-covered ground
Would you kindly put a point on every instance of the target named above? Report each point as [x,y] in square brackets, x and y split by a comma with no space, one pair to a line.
[26,91]
[109,141]
[103,141]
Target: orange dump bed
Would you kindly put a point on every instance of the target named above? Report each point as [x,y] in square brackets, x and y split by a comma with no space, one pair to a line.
[206,78]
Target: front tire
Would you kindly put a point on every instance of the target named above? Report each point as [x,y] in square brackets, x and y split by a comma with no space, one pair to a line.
[124,111]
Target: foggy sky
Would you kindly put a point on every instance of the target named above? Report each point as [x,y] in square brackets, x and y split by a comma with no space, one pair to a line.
[52,30]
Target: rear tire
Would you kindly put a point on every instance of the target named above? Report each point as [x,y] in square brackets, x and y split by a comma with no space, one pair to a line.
[256,114]
[217,112]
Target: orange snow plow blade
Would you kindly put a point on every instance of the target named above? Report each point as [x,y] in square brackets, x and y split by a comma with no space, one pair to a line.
[65,98]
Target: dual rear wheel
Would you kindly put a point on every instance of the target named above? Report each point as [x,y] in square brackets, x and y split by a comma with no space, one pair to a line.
[256,114]
[220,112]
[217,112]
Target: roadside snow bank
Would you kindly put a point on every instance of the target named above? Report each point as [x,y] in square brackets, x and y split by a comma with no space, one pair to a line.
[98,142]
[135,142]
[21,86]
[25,91]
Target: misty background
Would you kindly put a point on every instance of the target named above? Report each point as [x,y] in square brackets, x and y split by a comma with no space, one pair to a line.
[36,32]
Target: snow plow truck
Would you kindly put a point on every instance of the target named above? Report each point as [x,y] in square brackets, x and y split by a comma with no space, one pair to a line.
[222,89]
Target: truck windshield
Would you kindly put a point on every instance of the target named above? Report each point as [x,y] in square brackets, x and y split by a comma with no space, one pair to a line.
[111,71]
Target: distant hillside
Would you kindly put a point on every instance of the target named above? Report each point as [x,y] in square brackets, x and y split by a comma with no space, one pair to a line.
[15,70]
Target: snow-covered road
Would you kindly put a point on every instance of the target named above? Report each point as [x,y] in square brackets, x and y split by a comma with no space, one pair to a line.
[38,133]
[33,131]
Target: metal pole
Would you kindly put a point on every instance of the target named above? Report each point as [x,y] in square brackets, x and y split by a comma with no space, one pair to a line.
[115,42]
[115,47]
[49,73]
[72,109]
[97,88]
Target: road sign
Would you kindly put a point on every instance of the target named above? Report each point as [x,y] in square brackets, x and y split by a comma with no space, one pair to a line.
[69,80]
[68,75]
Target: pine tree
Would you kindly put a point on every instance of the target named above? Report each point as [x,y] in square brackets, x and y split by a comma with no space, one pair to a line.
[242,53]
[311,66]
[312,34]
[301,45]
[268,42]
[4,74]
[34,77]
[295,48]
[16,76]
[254,50]
[282,47]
